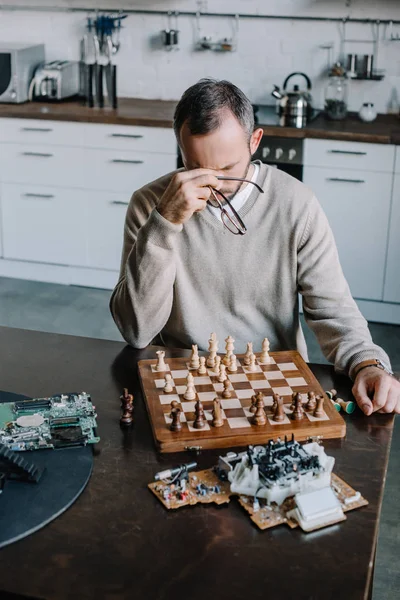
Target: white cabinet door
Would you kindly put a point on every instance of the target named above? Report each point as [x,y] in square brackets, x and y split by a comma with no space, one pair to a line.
[106,214]
[349,155]
[357,205]
[392,278]
[44,224]
[131,138]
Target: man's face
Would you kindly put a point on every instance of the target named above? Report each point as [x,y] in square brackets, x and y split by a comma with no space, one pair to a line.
[227,149]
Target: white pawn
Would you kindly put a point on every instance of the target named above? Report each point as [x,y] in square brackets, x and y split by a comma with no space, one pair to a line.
[249,351]
[264,356]
[190,394]
[252,366]
[194,359]
[161,366]
[202,370]
[232,368]
[168,387]
[217,365]
[222,373]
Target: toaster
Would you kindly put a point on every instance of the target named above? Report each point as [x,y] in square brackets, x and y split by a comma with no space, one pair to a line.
[55,80]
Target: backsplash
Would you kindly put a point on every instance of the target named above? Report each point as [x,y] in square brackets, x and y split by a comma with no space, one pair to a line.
[267,50]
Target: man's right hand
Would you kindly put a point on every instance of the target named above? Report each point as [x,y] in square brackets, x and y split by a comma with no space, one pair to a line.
[186,194]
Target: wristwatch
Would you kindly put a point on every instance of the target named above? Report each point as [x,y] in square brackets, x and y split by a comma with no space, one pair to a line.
[373,362]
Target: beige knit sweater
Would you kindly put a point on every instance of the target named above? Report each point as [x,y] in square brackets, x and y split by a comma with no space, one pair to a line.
[180,283]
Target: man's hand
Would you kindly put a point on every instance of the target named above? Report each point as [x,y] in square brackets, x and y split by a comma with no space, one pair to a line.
[376,390]
[187,193]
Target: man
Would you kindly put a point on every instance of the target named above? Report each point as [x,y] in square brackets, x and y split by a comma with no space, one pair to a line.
[184,274]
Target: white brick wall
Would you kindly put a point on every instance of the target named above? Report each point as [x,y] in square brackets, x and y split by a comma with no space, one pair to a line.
[268,50]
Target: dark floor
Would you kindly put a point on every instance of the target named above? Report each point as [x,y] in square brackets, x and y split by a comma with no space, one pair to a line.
[84,311]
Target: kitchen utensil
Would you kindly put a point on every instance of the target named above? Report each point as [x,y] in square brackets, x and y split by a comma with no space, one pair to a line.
[295,107]
[367,112]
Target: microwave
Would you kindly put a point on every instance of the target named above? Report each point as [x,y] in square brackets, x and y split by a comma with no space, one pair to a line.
[17,64]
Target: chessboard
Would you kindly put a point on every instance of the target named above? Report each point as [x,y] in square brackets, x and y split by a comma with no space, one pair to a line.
[285,374]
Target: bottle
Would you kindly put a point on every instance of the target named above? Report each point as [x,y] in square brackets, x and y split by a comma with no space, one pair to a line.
[336,93]
[367,112]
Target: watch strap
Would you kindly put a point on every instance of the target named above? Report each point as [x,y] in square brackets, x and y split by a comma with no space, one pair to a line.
[373,362]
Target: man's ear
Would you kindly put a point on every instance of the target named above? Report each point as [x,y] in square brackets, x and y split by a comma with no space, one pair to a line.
[255,140]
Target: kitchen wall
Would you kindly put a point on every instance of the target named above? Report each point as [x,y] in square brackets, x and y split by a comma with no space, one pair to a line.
[268,50]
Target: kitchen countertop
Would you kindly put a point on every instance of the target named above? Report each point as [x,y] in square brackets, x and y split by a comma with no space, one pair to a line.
[159,113]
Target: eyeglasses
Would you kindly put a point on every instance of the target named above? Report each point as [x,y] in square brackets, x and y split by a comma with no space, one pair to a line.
[230,217]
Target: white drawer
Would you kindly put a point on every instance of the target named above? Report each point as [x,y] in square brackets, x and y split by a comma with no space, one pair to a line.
[44,224]
[124,171]
[349,155]
[122,137]
[106,232]
[397,162]
[37,131]
[42,165]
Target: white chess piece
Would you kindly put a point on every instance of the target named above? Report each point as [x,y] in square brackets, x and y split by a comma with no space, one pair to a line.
[213,349]
[217,366]
[252,366]
[229,347]
[249,351]
[194,359]
[161,366]
[232,368]
[190,394]
[222,373]
[264,356]
[202,370]
[168,387]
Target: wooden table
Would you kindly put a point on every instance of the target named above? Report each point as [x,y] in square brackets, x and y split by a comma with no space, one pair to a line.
[117,541]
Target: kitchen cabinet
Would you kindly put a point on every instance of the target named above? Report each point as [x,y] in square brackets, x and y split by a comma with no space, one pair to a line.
[357,204]
[392,276]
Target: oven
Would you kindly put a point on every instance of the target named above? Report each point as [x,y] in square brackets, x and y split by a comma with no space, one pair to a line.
[283,153]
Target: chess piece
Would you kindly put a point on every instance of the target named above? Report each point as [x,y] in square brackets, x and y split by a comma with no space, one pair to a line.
[222,373]
[253,407]
[311,404]
[161,366]
[127,409]
[293,404]
[124,397]
[168,387]
[298,413]
[331,394]
[202,370]
[176,424]
[194,358]
[276,398]
[217,365]
[190,393]
[226,393]
[174,404]
[259,417]
[264,356]
[252,364]
[348,407]
[200,419]
[212,349]
[232,367]
[319,409]
[279,414]
[228,349]
[218,420]
[249,351]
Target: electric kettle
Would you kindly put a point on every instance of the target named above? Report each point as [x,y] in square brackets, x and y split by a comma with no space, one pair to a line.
[294,107]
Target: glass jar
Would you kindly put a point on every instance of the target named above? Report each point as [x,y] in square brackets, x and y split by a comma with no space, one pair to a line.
[336,97]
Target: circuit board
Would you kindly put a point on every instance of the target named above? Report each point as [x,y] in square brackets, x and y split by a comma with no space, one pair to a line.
[286,373]
[60,421]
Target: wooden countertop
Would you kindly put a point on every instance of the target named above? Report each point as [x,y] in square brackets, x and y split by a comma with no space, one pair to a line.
[159,113]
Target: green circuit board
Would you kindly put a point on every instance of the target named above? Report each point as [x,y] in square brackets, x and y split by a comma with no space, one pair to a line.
[59,421]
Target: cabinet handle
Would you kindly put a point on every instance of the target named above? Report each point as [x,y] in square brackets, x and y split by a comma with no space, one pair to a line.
[42,154]
[345,180]
[347,152]
[42,129]
[44,196]
[126,135]
[129,162]
[119,202]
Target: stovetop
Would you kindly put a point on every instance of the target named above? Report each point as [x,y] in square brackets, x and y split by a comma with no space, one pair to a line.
[267,115]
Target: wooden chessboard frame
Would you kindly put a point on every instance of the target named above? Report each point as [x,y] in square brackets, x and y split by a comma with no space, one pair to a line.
[332,426]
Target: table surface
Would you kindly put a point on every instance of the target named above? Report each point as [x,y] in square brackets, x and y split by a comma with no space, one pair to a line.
[117,539]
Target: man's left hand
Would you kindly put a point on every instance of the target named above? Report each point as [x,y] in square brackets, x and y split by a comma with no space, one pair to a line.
[376,391]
